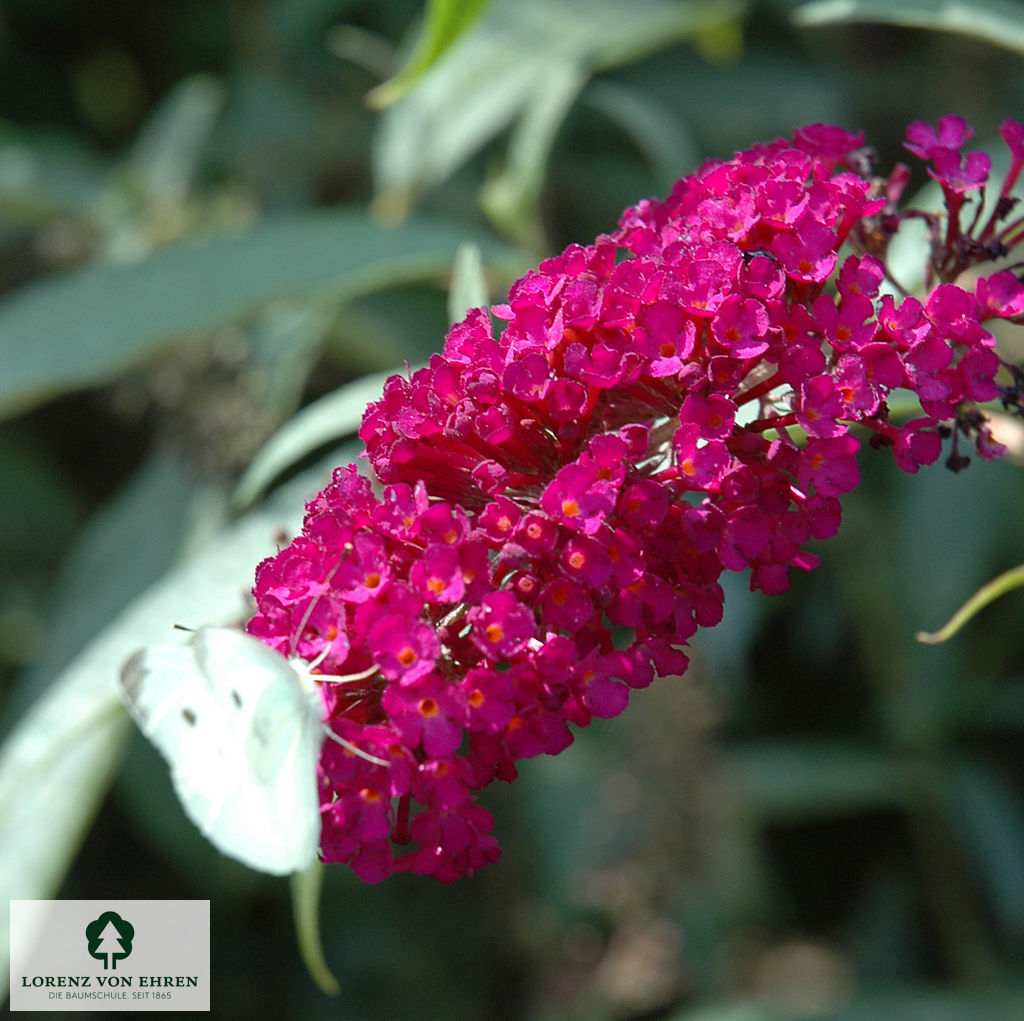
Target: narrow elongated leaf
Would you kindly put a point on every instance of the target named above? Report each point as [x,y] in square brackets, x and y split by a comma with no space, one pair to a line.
[511,199]
[104,571]
[167,151]
[338,414]
[469,285]
[993,21]
[655,129]
[990,818]
[790,780]
[45,175]
[489,78]
[327,420]
[84,328]
[445,21]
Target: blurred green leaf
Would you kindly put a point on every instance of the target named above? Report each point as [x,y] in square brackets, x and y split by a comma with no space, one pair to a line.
[402,324]
[512,198]
[39,508]
[43,176]
[994,21]
[657,131]
[166,152]
[469,284]
[106,568]
[790,780]
[990,821]
[327,420]
[445,21]
[921,1003]
[286,339]
[84,328]
[501,69]
[54,769]
[269,133]
[887,931]
[306,888]
[1001,708]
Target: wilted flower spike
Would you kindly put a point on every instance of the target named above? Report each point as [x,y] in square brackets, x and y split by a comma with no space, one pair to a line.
[683,397]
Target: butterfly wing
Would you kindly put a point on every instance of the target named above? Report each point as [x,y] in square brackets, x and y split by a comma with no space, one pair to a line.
[242,735]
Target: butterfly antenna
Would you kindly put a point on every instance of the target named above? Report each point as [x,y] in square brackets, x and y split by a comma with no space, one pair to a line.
[355,749]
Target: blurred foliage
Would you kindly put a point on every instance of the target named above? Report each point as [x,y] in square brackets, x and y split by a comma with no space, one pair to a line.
[204,228]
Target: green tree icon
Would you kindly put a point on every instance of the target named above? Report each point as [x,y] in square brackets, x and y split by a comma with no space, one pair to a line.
[110,939]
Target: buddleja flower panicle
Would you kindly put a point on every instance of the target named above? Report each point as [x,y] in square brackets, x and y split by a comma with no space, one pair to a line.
[561,498]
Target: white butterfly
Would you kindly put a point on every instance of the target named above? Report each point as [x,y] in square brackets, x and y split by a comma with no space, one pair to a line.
[240,727]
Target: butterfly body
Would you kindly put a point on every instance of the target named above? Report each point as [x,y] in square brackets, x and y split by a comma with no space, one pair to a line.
[240,727]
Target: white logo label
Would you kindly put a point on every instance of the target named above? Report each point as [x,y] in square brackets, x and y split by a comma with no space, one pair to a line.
[110,955]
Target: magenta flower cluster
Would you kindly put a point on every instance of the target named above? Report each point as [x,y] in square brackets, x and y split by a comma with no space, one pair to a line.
[559,500]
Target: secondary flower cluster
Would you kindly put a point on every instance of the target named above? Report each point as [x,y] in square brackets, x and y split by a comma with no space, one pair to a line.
[559,501]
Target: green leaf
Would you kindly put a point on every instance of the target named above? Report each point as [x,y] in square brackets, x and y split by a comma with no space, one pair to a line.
[993,21]
[445,21]
[40,507]
[469,285]
[325,421]
[512,198]
[103,572]
[84,328]
[339,414]
[923,1003]
[45,175]
[1001,709]
[791,780]
[655,129]
[990,821]
[166,153]
[499,70]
